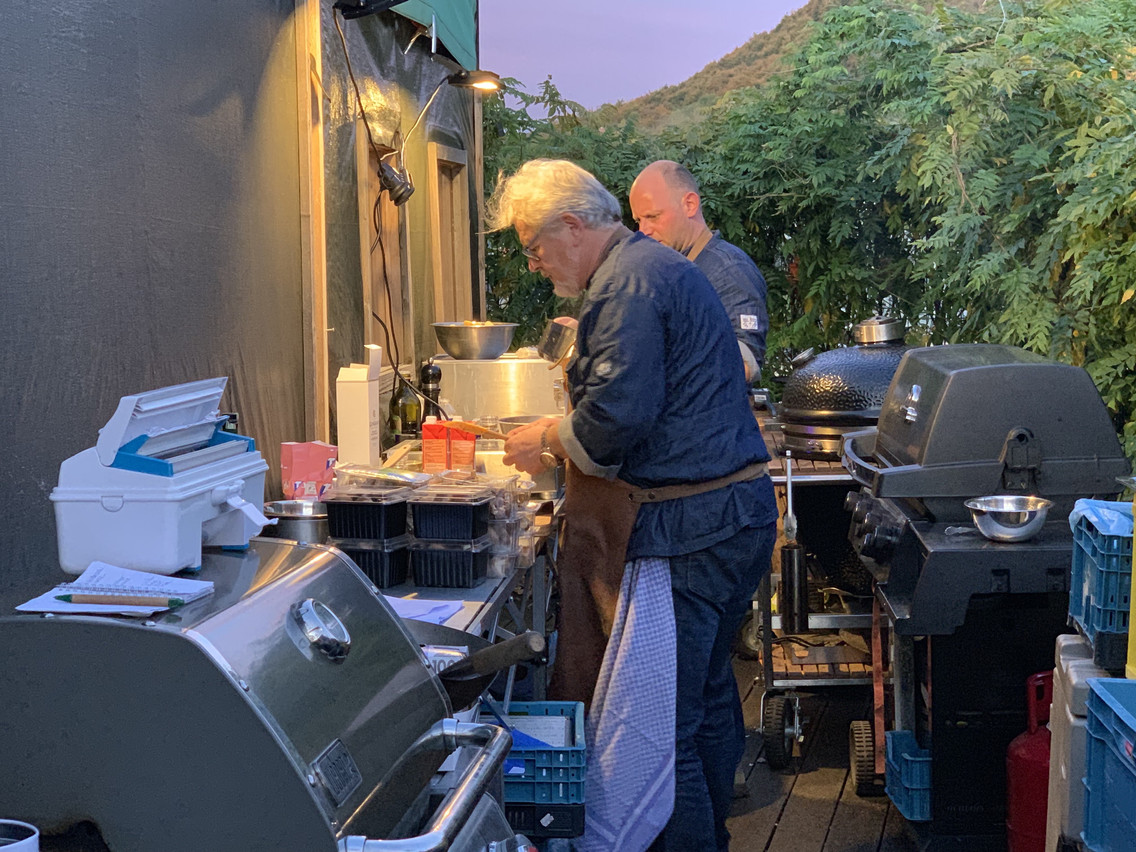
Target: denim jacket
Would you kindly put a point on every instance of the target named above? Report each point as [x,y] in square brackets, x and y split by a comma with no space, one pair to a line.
[659,399]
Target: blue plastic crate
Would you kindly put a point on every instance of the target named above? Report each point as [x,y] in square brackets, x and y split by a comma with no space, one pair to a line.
[908,775]
[546,774]
[1100,581]
[1110,766]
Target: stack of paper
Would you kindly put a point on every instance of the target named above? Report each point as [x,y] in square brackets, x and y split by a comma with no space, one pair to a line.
[109,590]
[434,612]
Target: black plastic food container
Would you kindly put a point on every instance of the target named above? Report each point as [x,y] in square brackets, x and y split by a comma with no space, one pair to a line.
[459,565]
[459,518]
[386,563]
[377,517]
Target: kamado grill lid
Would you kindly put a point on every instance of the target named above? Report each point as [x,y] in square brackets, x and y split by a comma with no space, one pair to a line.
[841,389]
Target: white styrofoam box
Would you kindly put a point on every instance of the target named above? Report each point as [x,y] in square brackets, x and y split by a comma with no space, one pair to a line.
[1072,646]
[154,523]
[1065,807]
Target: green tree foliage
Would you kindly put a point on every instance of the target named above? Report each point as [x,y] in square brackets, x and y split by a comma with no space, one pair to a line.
[973,172]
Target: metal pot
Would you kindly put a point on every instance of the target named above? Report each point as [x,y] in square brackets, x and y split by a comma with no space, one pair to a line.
[842,389]
[557,339]
[299,520]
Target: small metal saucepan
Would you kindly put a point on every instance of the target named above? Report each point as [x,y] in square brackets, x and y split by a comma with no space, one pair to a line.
[466,679]
[556,341]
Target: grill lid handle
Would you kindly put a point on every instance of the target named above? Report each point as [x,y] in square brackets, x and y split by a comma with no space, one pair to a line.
[323,629]
[458,805]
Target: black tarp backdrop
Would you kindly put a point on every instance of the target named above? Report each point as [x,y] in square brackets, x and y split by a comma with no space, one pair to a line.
[149,232]
[150,224]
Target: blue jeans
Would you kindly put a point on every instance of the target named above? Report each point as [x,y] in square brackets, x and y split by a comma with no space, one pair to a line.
[712,590]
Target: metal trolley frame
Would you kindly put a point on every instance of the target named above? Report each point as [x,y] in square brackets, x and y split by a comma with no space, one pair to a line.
[783,685]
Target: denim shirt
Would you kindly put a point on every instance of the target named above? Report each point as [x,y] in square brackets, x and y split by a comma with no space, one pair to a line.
[742,289]
[659,399]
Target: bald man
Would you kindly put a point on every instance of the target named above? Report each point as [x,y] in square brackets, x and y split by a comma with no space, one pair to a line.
[666,204]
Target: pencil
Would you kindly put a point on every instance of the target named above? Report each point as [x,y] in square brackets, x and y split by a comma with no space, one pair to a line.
[122,600]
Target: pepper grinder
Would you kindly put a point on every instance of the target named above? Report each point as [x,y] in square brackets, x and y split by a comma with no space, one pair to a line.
[430,382]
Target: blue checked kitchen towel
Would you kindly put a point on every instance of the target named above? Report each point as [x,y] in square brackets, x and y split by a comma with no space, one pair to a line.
[631,726]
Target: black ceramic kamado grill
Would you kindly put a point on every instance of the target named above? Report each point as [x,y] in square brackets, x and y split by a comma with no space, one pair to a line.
[289,710]
[839,391]
[971,619]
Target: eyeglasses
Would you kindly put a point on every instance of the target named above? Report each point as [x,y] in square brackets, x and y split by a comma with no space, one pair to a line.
[529,248]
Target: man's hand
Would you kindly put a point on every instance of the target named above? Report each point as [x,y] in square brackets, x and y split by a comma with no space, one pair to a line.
[522,447]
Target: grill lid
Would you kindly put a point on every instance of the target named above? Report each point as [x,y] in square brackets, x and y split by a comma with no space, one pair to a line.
[846,386]
[965,420]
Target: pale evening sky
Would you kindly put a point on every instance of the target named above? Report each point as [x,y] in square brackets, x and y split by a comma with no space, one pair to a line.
[603,51]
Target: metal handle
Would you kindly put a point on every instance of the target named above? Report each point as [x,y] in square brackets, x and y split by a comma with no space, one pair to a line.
[459,803]
[324,630]
[862,471]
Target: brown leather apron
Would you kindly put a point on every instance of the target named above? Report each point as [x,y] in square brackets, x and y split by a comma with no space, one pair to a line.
[598,519]
[599,515]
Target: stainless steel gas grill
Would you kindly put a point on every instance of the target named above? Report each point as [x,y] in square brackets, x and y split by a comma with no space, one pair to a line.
[971,619]
[289,710]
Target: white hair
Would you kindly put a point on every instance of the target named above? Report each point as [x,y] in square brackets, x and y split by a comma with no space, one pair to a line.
[541,190]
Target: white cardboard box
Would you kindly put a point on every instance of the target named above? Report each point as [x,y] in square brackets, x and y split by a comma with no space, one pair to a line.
[359,410]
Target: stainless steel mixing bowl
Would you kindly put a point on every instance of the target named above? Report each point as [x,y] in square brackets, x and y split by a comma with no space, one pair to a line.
[481,342]
[1009,517]
[299,520]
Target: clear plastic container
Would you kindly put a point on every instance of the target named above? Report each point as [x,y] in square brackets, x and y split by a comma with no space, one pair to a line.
[503,535]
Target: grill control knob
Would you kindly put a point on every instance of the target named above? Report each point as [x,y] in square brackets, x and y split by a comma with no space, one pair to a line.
[879,543]
[853,499]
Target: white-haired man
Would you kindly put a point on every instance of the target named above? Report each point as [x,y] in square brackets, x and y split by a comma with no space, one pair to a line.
[667,481]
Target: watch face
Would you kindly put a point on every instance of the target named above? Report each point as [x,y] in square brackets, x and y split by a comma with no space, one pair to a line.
[548,459]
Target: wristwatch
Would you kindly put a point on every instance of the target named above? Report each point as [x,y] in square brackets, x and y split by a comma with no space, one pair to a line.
[547,457]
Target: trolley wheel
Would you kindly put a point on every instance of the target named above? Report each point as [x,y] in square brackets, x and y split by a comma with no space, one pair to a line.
[862,758]
[747,641]
[779,731]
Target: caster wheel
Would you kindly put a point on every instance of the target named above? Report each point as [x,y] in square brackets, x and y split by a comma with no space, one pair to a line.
[862,759]
[779,731]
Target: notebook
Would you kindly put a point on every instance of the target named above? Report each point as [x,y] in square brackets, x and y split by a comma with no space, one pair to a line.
[103,580]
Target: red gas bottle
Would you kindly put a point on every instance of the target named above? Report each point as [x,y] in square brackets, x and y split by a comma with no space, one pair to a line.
[1027,771]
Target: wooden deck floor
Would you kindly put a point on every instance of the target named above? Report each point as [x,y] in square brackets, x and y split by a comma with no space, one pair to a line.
[811,806]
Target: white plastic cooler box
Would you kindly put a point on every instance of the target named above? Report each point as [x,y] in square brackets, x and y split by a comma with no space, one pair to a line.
[162,480]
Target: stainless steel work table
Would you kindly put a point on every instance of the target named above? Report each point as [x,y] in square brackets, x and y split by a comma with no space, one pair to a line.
[523,592]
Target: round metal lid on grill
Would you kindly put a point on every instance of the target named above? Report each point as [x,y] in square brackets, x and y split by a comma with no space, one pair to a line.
[842,389]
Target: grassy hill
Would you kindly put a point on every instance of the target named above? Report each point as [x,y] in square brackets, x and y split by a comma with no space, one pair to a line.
[749,65]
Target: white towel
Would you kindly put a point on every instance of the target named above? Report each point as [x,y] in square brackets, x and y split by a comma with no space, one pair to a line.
[629,787]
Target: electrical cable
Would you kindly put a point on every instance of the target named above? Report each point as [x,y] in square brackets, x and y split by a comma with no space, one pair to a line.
[376,219]
[355,85]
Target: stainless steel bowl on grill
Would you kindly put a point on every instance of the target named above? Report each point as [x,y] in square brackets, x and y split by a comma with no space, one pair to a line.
[482,341]
[1009,517]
